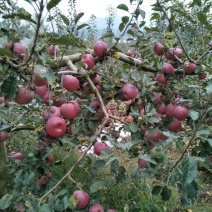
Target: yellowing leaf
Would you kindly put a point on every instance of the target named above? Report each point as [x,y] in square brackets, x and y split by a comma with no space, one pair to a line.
[116,55]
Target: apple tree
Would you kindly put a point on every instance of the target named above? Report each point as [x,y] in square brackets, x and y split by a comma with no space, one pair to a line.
[67,91]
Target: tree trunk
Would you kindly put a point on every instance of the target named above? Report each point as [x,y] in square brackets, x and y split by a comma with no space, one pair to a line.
[3,170]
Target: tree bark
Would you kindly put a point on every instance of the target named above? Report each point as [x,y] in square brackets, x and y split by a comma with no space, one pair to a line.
[3,170]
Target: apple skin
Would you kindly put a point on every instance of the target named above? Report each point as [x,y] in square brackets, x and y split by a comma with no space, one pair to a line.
[53,49]
[23,96]
[38,81]
[160,78]
[142,163]
[17,155]
[86,89]
[159,49]
[189,67]
[41,90]
[129,91]
[96,208]
[202,75]
[131,52]
[180,113]
[94,104]
[70,83]
[99,114]
[52,111]
[160,108]
[3,136]
[100,48]
[82,198]
[168,68]
[170,110]
[170,56]
[96,79]
[98,147]
[48,97]
[19,48]
[175,125]
[89,60]
[55,127]
[154,137]
[43,180]
[3,101]
[70,110]
[111,210]
[157,98]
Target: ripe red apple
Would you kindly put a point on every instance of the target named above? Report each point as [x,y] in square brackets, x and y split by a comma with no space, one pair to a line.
[58,102]
[70,110]
[50,158]
[159,49]
[116,135]
[53,50]
[202,75]
[142,163]
[131,52]
[3,136]
[96,208]
[49,174]
[82,198]
[88,59]
[129,91]
[52,111]
[138,57]
[70,83]
[100,48]
[94,104]
[169,55]
[175,125]
[154,137]
[86,89]
[38,81]
[128,119]
[3,101]
[160,108]
[99,114]
[24,96]
[19,48]
[168,68]
[111,210]
[157,98]
[17,155]
[99,88]
[98,147]
[43,180]
[180,113]
[55,127]
[41,90]
[96,79]
[170,110]
[160,78]
[48,97]
[189,67]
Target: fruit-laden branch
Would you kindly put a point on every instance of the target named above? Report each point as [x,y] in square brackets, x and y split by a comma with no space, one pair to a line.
[97,133]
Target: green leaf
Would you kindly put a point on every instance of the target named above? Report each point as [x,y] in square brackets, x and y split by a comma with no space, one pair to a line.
[5,201]
[89,108]
[194,114]
[166,193]
[189,170]
[44,208]
[121,27]
[123,7]
[134,127]
[78,17]
[209,87]
[204,132]
[45,72]
[125,19]
[81,26]
[65,40]
[9,88]
[111,159]
[97,185]
[22,14]
[65,19]
[202,17]
[52,3]
[210,141]
[147,158]
[156,190]
[5,52]
[197,2]
[100,163]
[122,175]
[107,35]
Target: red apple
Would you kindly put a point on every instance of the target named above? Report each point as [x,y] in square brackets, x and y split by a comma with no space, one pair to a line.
[169,55]
[58,102]
[128,119]
[160,108]
[88,59]
[19,48]
[48,97]
[98,147]
[129,91]
[55,127]
[157,98]
[43,180]
[3,102]
[142,163]
[24,96]
[175,125]
[52,111]
[159,49]
[53,50]
[131,53]
[50,158]
[17,155]
[86,89]
[94,104]
[111,210]
[99,88]
[70,110]
[96,208]
[38,81]
[3,136]
[168,68]
[189,67]
[100,48]
[154,137]
[202,75]
[70,83]
[49,174]
[160,78]
[180,113]
[96,79]
[170,110]
[99,114]
[82,198]
[41,90]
